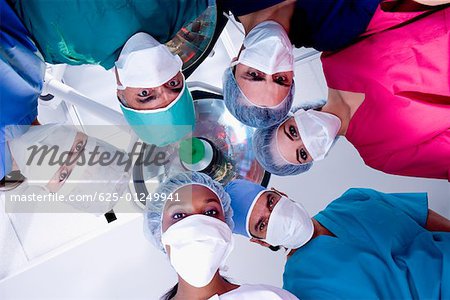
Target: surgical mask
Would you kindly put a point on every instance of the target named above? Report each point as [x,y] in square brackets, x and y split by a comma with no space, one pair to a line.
[289,225]
[165,125]
[318,131]
[199,246]
[146,63]
[268,49]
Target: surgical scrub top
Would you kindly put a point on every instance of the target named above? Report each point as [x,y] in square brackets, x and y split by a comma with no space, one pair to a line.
[403,68]
[325,25]
[21,78]
[380,250]
[79,32]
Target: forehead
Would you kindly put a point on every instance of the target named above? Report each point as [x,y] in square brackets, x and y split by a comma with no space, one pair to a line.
[193,195]
[273,93]
[178,76]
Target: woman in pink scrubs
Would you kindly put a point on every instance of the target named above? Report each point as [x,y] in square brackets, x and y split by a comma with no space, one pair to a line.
[389,95]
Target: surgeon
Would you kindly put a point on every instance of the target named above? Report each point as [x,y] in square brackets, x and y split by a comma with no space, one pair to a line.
[58,159]
[22,72]
[363,245]
[395,111]
[152,91]
[192,222]
[259,84]
[80,32]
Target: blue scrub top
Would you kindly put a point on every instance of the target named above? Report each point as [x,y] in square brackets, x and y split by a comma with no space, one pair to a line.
[21,76]
[381,251]
[326,25]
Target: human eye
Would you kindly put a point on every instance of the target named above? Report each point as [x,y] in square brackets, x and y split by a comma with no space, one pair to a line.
[211,212]
[79,146]
[63,175]
[178,216]
[293,131]
[270,202]
[262,226]
[173,83]
[144,93]
[303,154]
[280,79]
[255,75]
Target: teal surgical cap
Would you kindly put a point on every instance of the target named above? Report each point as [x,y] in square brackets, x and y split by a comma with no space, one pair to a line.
[243,194]
[166,125]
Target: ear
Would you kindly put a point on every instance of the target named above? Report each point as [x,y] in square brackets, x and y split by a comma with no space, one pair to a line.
[260,242]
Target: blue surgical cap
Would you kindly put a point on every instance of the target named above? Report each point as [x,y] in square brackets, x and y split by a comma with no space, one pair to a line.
[154,209]
[243,194]
[246,112]
[267,154]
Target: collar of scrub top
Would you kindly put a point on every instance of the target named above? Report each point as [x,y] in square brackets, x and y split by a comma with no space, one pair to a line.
[163,126]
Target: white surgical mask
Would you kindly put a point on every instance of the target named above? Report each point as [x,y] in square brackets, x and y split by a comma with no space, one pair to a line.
[289,225]
[318,131]
[199,246]
[268,49]
[146,63]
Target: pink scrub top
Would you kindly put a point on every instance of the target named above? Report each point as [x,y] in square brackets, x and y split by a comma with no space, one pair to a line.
[403,125]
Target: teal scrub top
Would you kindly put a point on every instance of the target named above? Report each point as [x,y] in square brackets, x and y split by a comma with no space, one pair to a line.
[381,251]
[79,32]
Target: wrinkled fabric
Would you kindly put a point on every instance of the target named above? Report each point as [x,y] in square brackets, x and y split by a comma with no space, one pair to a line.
[328,25]
[380,250]
[21,76]
[93,32]
[325,25]
[403,125]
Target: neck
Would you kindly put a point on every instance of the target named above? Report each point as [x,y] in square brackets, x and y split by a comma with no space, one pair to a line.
[280,13]
[319,229]
[337,106]
[218,285]
[343,104]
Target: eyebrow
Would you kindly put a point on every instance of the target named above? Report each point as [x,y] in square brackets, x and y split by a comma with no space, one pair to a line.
[253,79]
[298,158]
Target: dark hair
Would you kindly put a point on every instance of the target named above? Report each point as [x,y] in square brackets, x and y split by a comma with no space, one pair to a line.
[173,291]
[274,248]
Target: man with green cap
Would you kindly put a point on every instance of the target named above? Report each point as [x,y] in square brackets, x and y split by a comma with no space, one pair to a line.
[127,35]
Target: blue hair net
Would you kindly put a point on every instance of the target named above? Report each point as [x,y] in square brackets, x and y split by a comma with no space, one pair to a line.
[266,152]
[154,209]
[246,112]
[243,195]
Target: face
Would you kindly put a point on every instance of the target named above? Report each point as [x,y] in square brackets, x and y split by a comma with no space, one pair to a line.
[194,200]
[263,89]
[152,98]
[290,143]
[64,171]
[260,216]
